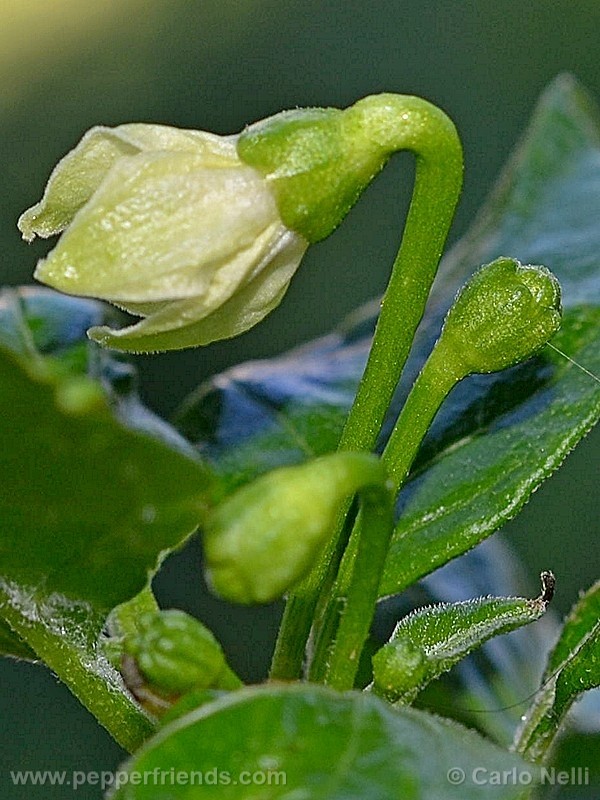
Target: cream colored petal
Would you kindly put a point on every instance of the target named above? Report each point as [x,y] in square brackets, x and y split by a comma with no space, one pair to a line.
[185,324]
[162,227]
[77,176]
[73,181]
[216,151]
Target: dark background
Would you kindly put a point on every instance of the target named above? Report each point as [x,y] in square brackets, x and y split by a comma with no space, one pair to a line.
[66,65]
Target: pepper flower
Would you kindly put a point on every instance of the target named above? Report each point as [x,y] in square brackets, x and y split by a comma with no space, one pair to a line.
[200,234]
[169,225]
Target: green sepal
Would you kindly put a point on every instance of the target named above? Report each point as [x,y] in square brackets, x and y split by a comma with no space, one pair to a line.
[318,161]
[314,164]
[431,640]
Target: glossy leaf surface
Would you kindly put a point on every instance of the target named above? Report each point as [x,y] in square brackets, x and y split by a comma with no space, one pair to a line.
[480,480]
[305,741]
[573,668]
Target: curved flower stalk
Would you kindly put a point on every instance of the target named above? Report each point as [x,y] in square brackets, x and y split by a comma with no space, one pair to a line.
[390,123]
[504,314]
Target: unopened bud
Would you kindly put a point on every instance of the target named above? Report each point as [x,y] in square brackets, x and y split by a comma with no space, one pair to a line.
[503,315]
[265,537]
[175,653]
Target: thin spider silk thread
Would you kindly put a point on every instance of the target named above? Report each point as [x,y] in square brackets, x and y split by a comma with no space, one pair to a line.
[572,360]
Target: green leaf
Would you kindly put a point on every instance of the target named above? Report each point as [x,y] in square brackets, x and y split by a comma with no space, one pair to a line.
[545,206]
[267,414]
[490,688]
[431,640]
[89,507]
[36,322]
[476,484]
[573,668]
[306,741]
[13,645]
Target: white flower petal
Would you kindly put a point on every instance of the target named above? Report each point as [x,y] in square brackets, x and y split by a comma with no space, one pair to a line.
[73,181]
[161,227]
[77,176]
[182,324]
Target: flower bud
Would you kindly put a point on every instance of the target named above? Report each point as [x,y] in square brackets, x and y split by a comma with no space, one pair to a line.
[503,315]
[265,537]
[174,653]
[169,225]
[200,234]
[397,669]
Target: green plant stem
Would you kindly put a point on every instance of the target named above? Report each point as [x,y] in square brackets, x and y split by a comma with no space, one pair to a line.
[356,602]
[367,476]
[430,135]
[288,656]
[439,375]
[435,380]
[77,660]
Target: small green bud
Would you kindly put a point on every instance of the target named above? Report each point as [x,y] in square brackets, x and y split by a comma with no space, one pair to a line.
[503,315]
[174,653]
[398,668]
[264,538]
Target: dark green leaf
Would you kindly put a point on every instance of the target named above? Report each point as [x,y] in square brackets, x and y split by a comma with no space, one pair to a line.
[546,204]
[13,645]
[573,668]
[36,322]
[267,414]
[40,324]
[306,741]
[431,640]
[87,506]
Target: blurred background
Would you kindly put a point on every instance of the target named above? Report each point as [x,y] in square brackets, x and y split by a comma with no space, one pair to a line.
[66,65]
